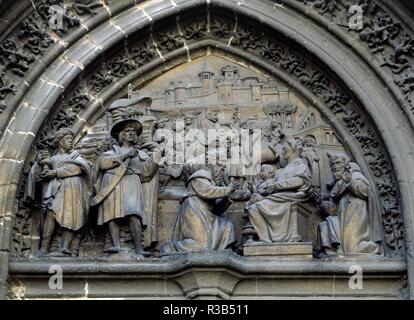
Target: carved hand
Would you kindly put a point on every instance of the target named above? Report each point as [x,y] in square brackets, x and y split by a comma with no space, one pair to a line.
[338,175]
[267,188]
[346,177]
[44,160]
[233,186]
[316,196]
[158,155]
[252,187]
[149,145]
[48,174]
[328,208]
[240,195]
[130,155]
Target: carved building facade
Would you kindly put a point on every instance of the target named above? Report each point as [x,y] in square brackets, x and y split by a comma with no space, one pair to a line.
[90,104]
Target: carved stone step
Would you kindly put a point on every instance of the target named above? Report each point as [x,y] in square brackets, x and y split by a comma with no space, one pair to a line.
[260,250]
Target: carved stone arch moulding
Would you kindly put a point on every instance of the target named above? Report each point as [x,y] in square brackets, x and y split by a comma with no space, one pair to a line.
[144,42]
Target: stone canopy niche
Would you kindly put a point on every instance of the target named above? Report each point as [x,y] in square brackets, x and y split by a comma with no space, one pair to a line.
[210,92]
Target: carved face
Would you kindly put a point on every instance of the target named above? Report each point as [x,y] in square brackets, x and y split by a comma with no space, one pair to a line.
[128,134]
[338,165]
[188,120]
[174,126]
[66,143]
[213,117]
[287,152]
[217,175]
[276,125]
[309,142]
[266,172]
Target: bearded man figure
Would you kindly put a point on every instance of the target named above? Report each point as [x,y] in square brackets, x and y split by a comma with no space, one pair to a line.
[353,224]
[271,216]
[199,225]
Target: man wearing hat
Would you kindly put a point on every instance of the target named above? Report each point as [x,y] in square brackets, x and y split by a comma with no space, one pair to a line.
[121,172]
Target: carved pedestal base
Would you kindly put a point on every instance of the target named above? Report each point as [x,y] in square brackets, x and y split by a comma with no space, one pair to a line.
[278,250]
[301,220]
[208,275]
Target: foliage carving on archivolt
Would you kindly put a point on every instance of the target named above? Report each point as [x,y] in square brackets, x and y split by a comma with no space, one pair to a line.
[382,33]
[31,39]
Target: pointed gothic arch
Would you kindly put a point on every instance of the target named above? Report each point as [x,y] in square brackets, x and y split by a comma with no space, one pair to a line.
[119,45]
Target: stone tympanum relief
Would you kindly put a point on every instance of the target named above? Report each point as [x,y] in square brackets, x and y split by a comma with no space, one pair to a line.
[212,155]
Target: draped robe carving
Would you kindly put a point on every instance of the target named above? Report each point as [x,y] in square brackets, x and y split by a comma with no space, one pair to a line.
[67,195]
[355,226]
[271,216]
[198,225]
[127,198]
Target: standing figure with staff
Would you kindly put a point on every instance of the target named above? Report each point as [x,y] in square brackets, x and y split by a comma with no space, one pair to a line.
[120,174]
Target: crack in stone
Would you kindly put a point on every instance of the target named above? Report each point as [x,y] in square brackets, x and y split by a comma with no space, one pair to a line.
[26,104]
[81,119]
[236,24]
[183,38]
[94,43]
[280,5]
[156,47]
[55,84]
[107,8]
[86,288]
[58,39]
[146,14]
[24,133]
[12,160]
[30,237]
[52,83]
[101,104]
[83,25]
[74,63]
[118,27]
[208,17]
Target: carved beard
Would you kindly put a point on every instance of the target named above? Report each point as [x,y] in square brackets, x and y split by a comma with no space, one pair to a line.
[338,174]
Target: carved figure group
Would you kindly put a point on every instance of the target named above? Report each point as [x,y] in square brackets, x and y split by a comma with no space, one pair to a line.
[123,186]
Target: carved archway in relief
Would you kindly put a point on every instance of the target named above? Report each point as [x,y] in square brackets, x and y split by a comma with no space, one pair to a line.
[148,58]
[180,91]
